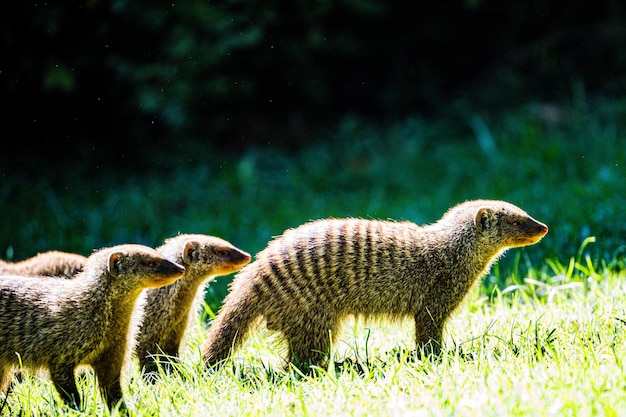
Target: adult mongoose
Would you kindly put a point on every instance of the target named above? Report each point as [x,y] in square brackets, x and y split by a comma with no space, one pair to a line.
[57,324]
[51,263]
[168,310]
[307,280]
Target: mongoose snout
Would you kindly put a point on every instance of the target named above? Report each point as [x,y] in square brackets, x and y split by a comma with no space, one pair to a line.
[163,273]
[231,261]
[535,231]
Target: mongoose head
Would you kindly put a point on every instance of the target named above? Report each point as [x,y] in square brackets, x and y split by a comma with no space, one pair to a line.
[205,255]
[506,224]
[496,225]
[141,263]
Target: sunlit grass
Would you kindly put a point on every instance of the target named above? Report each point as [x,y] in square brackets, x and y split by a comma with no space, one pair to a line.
[554,345]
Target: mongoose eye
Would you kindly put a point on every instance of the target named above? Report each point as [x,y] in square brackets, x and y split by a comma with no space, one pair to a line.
[221,252]
[151,264]
[516,223]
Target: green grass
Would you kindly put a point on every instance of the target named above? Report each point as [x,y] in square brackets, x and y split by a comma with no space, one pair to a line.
[555,344]
[544,333]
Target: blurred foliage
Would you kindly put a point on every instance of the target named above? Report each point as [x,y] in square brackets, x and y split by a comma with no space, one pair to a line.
[101,81]
[567,170]
[133,121]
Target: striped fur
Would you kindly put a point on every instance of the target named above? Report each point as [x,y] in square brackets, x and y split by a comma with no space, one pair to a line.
[305,282]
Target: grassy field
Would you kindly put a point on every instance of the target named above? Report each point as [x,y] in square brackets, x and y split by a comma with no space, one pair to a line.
[553,345]
[544,334]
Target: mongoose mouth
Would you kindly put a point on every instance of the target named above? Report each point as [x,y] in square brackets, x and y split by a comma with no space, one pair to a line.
[162,280]
[227,268]
[531,239]
[232,263]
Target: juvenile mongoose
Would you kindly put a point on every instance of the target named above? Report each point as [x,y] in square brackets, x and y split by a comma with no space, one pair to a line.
[52,263]
[310,278]
[57,323]
[168,310]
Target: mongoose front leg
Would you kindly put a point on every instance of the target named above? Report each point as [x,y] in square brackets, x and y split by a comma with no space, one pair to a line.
[5,379]
[428,333]
[65,383]
[219,346]
[108,374]
[112,394]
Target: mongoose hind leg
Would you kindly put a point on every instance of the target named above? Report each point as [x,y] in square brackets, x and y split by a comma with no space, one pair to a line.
[304,352]
[65,383]
[310,346]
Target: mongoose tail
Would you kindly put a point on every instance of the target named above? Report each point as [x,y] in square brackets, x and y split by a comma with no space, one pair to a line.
[168,311]
[230,328]
[51,263]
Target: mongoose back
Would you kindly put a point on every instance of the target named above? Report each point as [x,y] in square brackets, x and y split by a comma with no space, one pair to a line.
[168,310]
[307,280]
[57,323]
[52,263]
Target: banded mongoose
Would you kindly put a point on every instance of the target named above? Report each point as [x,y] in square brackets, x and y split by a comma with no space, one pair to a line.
[169,310]
[305,282]
[57,324]
[52,263]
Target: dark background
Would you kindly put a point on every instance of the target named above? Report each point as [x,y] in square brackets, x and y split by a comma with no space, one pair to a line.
[110,82]
[135,121]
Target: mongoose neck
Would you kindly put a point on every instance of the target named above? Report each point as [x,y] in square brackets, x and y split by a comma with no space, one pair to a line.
[463,248]
[181,293]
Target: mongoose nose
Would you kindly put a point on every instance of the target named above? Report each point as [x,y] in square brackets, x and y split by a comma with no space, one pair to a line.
[544,229]
[177,270]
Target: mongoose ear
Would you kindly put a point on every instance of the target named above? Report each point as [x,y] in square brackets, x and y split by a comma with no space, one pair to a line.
[482,219]
[113,260]
[189,252]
